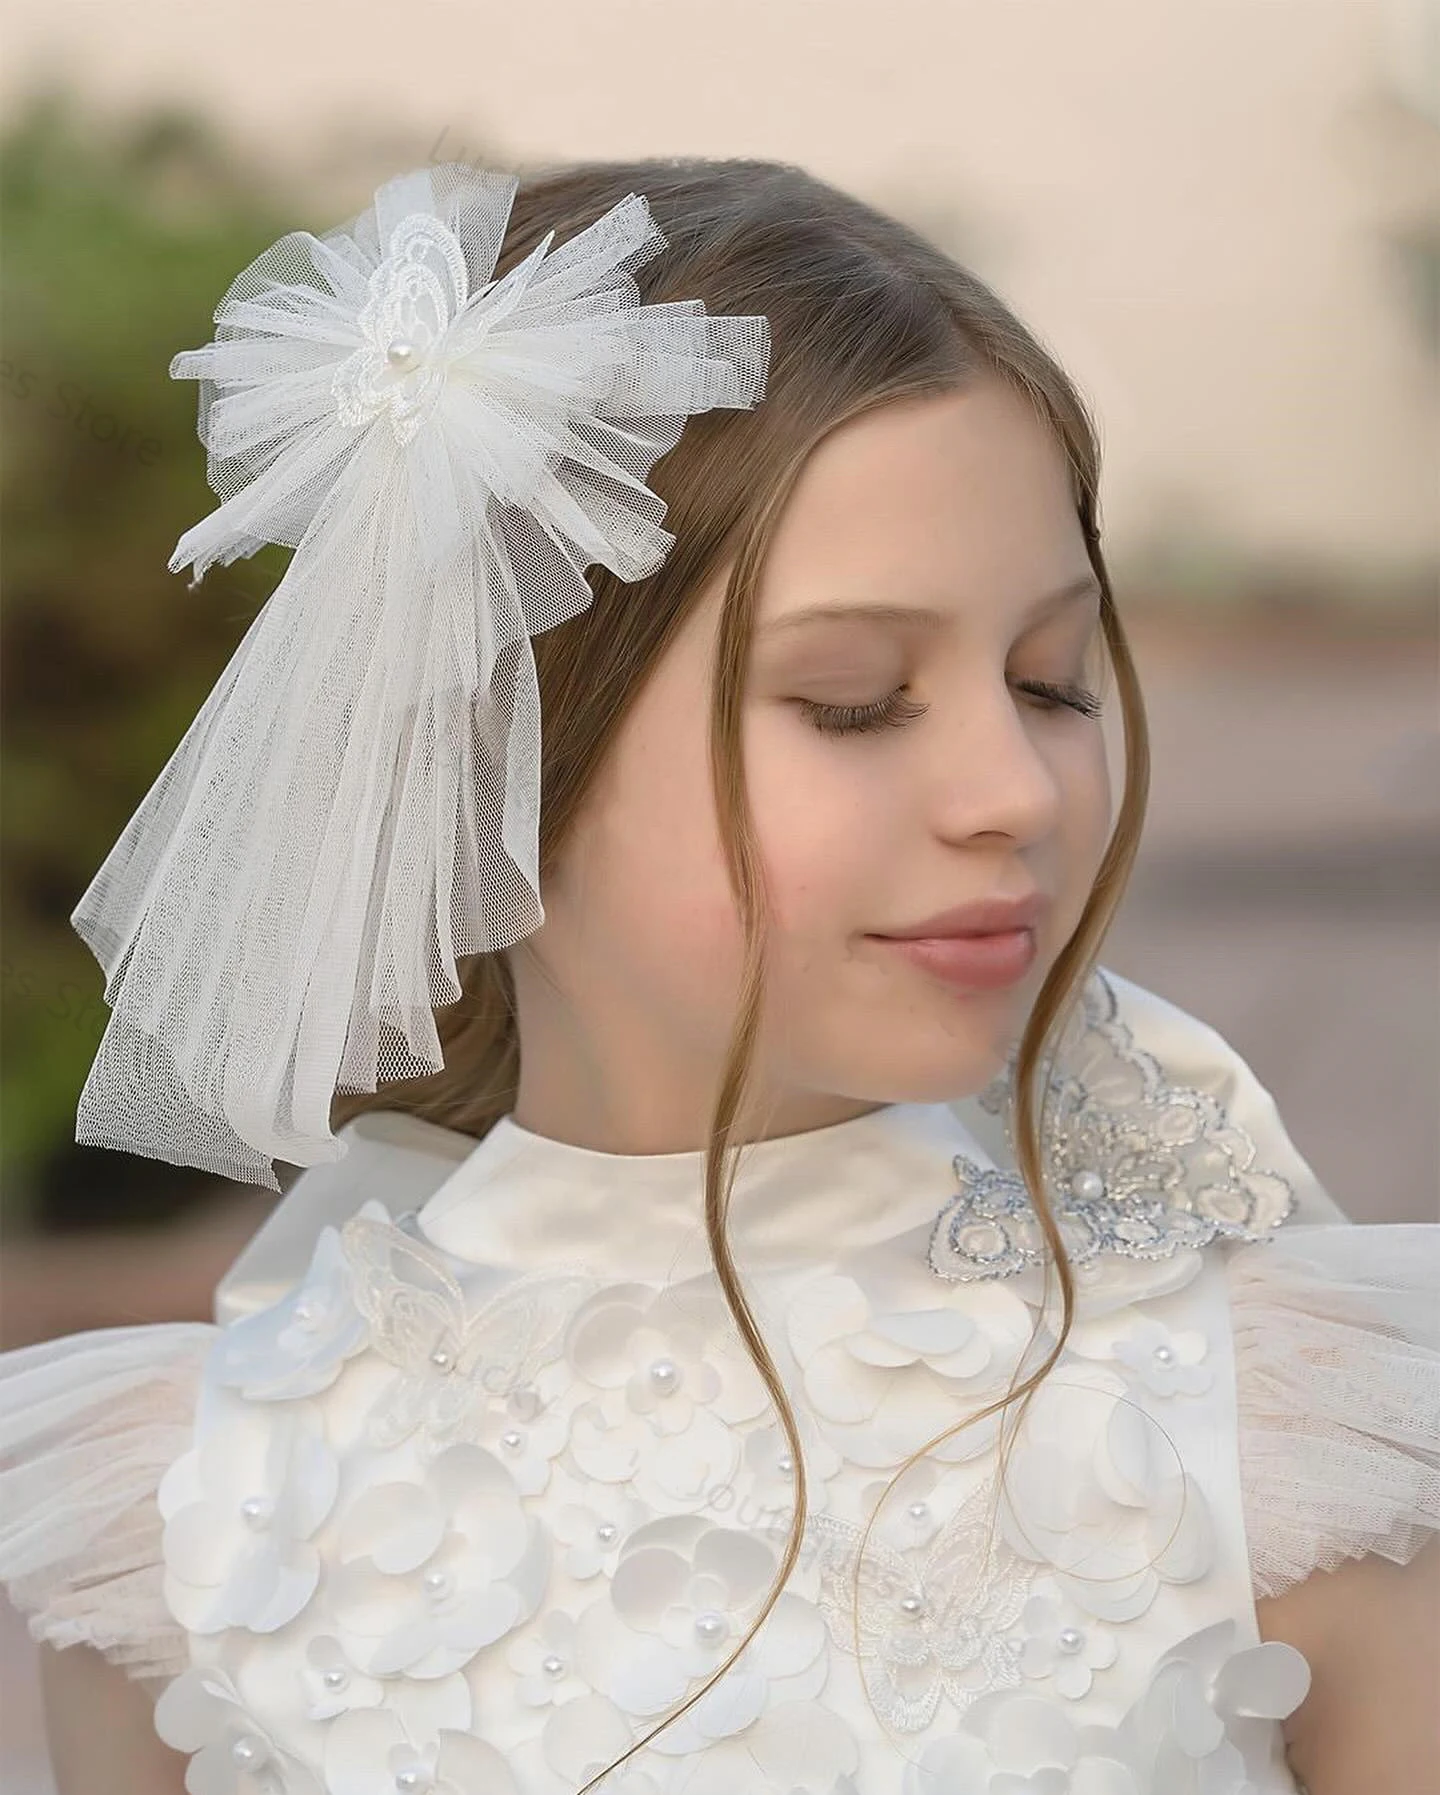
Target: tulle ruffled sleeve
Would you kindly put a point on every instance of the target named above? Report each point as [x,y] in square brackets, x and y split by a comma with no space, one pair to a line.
[1337,1365]
[88,1425]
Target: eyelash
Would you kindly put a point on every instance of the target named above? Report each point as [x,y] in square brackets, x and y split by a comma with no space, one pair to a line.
[856,719]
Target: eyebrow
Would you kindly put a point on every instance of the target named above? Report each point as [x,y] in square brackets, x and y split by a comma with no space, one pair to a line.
[875,612]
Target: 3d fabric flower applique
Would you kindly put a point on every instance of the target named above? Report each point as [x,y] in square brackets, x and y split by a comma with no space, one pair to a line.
[672,1390]
[1204,1721]
[428,1572]
[298,1345]
[1202,1726]
[1141,1168]
[593,1526]
[544,1663]
[241,1511]
[302,1679]
[884,1366]
[458,1365]
[201,1713]
[1095,1494]
[372,1752]
[769,1470]
[1063,1643]
[1166,1364]
[684,1591]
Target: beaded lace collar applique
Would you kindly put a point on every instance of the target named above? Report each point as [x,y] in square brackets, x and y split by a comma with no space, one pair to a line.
[1140,1167]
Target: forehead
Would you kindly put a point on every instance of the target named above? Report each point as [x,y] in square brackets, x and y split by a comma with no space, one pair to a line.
[935,505]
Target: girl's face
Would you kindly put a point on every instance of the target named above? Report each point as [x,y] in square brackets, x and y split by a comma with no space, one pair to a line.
[959,505]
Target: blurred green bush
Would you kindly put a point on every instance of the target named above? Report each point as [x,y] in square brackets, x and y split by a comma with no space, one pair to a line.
[120,240]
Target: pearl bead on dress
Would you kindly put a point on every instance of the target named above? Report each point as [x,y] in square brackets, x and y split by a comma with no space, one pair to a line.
[248,1752]
[257,1511]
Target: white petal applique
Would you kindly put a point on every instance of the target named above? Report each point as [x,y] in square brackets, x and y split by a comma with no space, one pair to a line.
[577,1743]
[1184,1731]
[1064,1645]
[885,1380]
[1183,1735]
[232,1753]
[431,1614]
[371,1752]
[796,1746]
[590,1528]
[684,1592]
[1093,1492]
[545,1662]
[240,1513]
[667,1396]
[1266,1682]
[300,1344]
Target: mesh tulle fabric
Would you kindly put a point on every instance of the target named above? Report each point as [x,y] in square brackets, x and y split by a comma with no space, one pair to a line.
[1337,1363]
[88,1426]
[357,803]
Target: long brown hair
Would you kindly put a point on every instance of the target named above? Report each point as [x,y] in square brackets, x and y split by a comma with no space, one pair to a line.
[862,311]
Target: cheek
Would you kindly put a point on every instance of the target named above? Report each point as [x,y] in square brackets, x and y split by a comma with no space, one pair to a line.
[652,886]
[1084,833]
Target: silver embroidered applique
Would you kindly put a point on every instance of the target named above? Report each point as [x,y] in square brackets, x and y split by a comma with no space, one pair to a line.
[1139,1167]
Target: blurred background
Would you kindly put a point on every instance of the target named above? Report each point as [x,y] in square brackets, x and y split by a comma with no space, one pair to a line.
[1224,218]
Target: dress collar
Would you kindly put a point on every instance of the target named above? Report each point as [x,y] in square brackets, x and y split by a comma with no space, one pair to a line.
[1141,1169]
[521,1200]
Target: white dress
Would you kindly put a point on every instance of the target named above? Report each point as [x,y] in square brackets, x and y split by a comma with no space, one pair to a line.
[472,1482]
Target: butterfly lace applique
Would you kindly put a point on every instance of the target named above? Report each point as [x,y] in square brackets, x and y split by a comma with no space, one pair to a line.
[1138,1166]
[932,1622]
[457,1362]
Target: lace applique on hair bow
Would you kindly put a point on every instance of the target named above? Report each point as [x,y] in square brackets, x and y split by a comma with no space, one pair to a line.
[1137,1166]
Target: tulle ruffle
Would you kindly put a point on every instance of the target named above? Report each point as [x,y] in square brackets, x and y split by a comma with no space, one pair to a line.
[1337,1364]
[88,1425]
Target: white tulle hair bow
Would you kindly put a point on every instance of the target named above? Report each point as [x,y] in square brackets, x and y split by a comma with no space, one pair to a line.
[357,802]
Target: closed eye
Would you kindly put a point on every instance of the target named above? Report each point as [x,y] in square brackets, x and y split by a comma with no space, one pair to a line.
[896,709]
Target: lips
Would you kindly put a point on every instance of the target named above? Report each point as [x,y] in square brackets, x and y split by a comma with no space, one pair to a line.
[968,963]
[988,916]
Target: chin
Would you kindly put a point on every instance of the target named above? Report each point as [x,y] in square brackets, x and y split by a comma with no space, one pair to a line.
[942,1075]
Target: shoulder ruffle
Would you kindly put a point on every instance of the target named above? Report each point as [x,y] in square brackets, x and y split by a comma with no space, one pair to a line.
[88,1425]
[1337,1367]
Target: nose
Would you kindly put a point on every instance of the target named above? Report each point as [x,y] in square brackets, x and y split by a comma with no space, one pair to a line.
[996,770]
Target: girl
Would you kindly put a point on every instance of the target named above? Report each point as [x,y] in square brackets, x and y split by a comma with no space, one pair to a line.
[814,1328]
